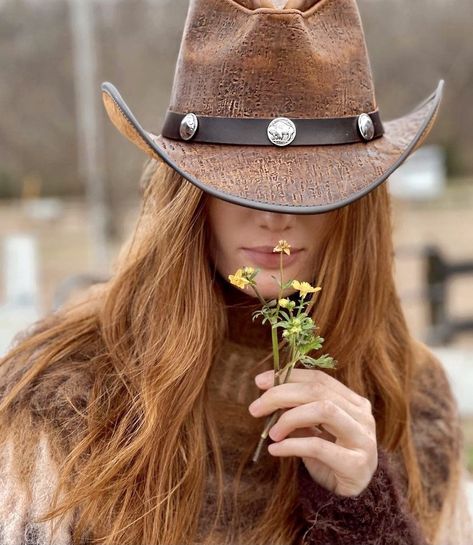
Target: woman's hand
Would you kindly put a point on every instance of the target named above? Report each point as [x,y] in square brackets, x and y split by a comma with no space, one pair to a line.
[344,455]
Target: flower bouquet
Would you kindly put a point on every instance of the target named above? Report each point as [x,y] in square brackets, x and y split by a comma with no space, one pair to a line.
[298,328]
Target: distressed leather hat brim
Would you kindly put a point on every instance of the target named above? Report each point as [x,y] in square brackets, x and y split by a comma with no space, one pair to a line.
[299,179]
[294,179]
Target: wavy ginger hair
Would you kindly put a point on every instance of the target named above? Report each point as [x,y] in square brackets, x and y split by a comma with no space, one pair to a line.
[139,464]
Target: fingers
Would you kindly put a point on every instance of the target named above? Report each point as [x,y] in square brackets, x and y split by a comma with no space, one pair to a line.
[344,471]
[340,459]
[291,394]
[349,432]
[314,375]
[313,430]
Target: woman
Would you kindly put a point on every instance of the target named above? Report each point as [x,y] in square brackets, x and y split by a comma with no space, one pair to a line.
[126,414]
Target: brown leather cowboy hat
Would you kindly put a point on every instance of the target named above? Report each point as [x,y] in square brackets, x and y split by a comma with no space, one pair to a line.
[275,108]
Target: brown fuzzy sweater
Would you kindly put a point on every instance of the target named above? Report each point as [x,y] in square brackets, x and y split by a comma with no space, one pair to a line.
[379,515]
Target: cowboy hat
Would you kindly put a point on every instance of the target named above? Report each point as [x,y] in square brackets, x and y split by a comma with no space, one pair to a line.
[275,109]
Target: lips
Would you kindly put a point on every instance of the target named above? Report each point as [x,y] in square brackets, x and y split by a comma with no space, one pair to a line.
[270,259]
[269,249]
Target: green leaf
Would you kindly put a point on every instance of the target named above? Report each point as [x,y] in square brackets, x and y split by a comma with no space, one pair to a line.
[307,324]
[282,323]
[313,344]
[325,361]
[285,314]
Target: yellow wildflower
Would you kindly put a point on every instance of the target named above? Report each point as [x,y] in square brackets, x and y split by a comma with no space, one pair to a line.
[304,287]
[238,279]
[282,246]
[248,270]
[284,303]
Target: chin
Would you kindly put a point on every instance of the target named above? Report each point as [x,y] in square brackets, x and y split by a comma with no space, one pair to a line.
[269,294]
[270,290]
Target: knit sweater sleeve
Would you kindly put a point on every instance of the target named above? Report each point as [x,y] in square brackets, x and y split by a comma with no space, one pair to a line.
[30,459]
[379,514]
[28,475]
[439,440]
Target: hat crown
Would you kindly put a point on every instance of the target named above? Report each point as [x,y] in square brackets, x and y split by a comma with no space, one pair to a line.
[237,62]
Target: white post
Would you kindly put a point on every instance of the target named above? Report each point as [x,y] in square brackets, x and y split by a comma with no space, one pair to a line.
[21,271]
[21,306]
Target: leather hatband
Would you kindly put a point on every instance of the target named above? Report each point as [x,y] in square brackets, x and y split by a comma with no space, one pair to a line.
[253,131]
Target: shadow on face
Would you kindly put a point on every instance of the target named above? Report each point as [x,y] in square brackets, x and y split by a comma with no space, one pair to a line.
[236,229]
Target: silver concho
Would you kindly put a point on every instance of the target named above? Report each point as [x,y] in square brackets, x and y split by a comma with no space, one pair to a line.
[188,127]
[281,131]
[365,126]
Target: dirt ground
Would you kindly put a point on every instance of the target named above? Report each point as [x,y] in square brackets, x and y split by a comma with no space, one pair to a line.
[64,249]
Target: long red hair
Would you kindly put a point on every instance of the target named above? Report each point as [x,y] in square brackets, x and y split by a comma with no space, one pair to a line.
[137,441]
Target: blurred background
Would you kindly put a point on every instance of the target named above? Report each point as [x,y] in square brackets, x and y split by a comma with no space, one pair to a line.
[69,190]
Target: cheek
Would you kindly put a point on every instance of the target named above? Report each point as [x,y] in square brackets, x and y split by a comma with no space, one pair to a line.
[224,224]
[317,230]
[319,227]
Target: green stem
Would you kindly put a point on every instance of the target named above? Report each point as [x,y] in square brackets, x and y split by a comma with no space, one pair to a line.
[280,276]
[300,307]
[284,369]
[286,378]
[274,331]
[271,420]
[274,338]
[263,302]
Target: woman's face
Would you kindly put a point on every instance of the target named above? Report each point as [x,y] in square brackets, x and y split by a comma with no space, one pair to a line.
[236,229]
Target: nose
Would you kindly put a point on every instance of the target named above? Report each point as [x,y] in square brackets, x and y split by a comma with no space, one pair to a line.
[275,221]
